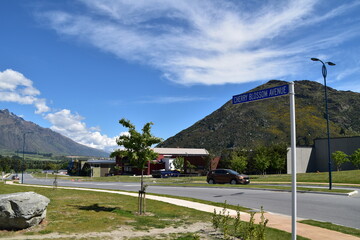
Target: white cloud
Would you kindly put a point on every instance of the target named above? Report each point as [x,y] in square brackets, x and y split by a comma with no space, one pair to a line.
[72,125]
[15,87]
[206,42]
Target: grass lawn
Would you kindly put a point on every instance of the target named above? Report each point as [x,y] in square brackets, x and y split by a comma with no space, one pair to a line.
[351,231]
[343,177]
[72,211]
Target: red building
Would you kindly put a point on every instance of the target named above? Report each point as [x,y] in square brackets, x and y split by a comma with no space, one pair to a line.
[195,161]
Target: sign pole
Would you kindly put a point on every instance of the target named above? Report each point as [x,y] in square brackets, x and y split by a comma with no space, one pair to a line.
[276,92]
[293,160]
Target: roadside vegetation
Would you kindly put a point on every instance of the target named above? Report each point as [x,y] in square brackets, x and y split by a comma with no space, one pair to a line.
[351,231]
[31,162]
[87,214]
[235,227]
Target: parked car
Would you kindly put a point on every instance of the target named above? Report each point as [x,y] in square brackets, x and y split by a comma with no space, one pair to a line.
[226,176]
[165,174]
[15,177]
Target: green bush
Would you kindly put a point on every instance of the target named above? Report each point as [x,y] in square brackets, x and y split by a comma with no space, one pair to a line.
[235,227]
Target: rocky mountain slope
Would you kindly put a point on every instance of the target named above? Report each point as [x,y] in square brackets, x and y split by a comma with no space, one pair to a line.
[265,122]
[42,140]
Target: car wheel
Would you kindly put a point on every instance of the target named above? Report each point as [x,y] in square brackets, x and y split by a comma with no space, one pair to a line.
[233,181]
[211,181]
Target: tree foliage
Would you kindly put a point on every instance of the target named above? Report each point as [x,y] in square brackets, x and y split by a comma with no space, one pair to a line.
[16,164]
[261,160]
[189,167]
[277,154]
[339,158]
[179,163]
[137,147]
[238,162]
[355,158]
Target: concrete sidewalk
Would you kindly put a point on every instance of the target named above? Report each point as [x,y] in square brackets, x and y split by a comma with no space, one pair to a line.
[277,221]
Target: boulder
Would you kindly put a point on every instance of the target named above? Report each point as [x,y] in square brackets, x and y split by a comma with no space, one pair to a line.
[22,210]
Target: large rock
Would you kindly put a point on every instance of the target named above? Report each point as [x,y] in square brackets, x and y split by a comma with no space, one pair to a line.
[22,210]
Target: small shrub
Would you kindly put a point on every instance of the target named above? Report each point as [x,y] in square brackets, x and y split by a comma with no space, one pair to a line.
[216,218]
[236,227]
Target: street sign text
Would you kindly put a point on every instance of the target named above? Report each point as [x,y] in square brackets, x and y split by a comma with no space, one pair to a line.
[261,94]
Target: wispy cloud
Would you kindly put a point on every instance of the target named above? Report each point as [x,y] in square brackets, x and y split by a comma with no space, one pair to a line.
[206,42]
[348,72]
[15,87]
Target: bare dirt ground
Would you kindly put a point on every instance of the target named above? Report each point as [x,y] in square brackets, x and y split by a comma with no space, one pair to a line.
[202,230]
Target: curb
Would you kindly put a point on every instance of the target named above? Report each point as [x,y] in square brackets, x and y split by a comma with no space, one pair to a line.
[355,192]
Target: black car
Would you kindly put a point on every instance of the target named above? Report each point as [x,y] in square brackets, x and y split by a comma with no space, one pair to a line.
[227,176]
[165,174]
[15,177]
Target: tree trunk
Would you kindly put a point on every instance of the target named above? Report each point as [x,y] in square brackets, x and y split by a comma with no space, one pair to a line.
[141,202]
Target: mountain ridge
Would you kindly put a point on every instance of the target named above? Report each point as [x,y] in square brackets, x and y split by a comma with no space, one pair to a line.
[265,122]
[44,140]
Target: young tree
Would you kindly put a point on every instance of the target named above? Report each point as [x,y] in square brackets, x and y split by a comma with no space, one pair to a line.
[355,158]
[277,154]
[262,161]
[189,166]
[179,163]
[238,162]
[138,150]
[339,158]
[277,161]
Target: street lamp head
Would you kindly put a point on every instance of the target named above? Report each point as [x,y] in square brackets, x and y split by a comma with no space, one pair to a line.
[331,63]
[315,59]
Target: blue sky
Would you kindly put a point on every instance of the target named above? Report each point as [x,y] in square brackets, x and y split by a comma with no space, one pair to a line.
[78,66]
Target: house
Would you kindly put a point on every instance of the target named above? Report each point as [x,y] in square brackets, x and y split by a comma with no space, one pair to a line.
[101,168]
[195,159]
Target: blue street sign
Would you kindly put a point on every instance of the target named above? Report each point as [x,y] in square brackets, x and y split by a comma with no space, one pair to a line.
[261,94]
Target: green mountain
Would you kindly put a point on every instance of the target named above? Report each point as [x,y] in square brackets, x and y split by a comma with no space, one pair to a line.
[42,140]
[266,122]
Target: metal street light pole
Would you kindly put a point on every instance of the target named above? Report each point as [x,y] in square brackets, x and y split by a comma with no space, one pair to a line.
[324,73]
[23,162]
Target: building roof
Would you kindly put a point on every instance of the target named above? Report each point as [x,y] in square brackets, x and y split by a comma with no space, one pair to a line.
[182,151]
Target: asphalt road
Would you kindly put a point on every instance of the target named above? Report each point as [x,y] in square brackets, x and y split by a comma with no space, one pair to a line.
[342,210]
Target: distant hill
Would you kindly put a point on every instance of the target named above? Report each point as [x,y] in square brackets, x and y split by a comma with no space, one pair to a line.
[265,122]
[42,140]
